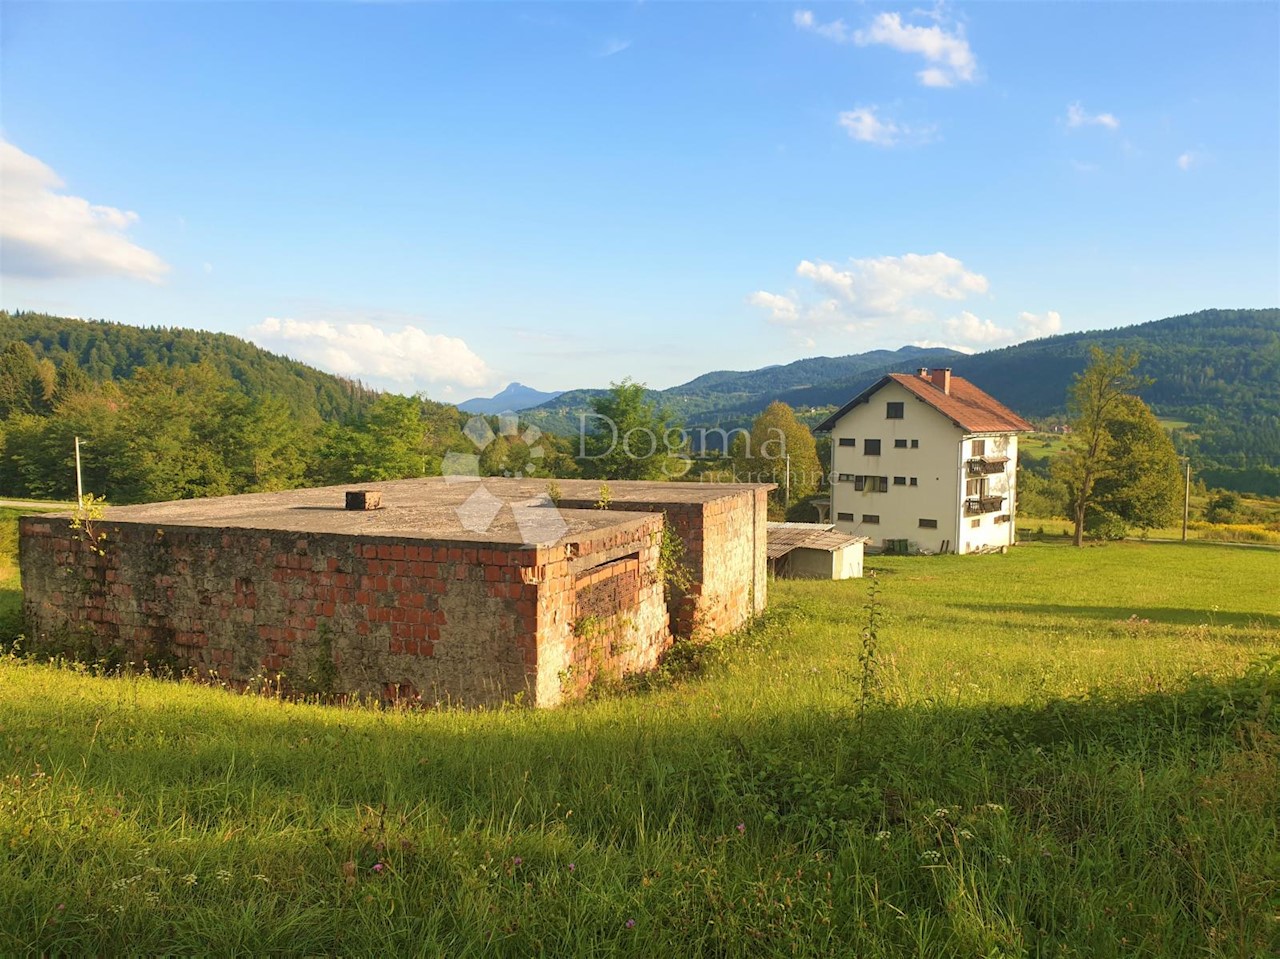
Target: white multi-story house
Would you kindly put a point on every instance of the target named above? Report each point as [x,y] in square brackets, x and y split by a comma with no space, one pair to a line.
[925,461]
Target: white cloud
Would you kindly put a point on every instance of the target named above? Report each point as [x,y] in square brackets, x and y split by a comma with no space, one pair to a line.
[870,291]
[835,30]
[1078,117]
[864,125]
[1188,161]
[49,234]
[939,345]
[886,299]
[409,357]
[1036,326]
[948,53]
[974,330]
[782,309]
[611,47]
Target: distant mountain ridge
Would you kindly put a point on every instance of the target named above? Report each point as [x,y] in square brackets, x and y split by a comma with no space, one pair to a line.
[1219,370]
[731,397]
[515,397]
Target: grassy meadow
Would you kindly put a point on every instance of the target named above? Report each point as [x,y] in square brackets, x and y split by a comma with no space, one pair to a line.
[1056,752]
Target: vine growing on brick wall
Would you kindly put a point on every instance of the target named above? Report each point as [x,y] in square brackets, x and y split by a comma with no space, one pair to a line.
[673,571]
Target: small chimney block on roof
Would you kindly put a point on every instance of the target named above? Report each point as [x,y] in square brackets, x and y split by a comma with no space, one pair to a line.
[941,378]
[363,499]
[923,372]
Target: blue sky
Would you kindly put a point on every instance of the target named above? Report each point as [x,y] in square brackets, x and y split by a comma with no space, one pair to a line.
[445,197]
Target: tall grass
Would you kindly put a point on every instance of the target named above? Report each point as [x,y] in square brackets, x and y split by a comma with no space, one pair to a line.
[1064,752]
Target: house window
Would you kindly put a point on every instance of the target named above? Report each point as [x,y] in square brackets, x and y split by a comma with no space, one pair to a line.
[913,481]
[847,441]
[871,484]
[899,444]
[899,481]
[928,524]
[870,518]
[915,444]
[845,477]
[976,486]
[859,483]
[893,411]
[975,523]
[979,447]
[845,517]
[871,447]
[1002,518]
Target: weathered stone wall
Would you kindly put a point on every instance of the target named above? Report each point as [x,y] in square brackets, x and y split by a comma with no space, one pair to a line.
[466,623]
[601,612]
[725,541]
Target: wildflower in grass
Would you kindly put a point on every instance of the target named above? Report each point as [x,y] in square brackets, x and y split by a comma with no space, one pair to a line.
[940,812]
[931,855]
[224,875]
[965,834]
[378,867]
[883,835]
[631,923]
[262,878]
[516,861]
[1004,860]
[572,867]
[742,827]
[191,879]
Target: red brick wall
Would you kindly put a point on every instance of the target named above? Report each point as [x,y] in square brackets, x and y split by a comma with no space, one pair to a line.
[428,620]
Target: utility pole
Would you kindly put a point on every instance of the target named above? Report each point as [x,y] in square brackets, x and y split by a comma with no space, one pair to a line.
[79,481]
[1186,502]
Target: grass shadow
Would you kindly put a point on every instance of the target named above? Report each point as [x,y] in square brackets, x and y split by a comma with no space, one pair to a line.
[1123,614]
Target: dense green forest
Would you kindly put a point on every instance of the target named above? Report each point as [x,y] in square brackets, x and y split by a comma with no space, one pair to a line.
[105,352]
[172,414]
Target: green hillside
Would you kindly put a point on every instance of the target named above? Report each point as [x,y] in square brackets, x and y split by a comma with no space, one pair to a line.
[1218,371]
[105,352]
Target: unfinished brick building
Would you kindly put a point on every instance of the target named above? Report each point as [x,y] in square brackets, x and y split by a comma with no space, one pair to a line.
[474,592]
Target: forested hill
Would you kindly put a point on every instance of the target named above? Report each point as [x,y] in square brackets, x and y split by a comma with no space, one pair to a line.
[1218,370]
[100,352]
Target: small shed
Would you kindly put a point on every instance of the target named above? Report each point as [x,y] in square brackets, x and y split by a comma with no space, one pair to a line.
[814,551]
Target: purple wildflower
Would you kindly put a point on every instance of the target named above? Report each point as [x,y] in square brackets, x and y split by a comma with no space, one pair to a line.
[572,867]
[742,827]
[631,923]
[516,861]
[378,867]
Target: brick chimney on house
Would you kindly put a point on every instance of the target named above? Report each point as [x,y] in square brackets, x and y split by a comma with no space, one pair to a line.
[942,379]
[923,372]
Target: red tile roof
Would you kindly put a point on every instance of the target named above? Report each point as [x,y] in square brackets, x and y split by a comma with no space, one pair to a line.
[976,411]
[972,409]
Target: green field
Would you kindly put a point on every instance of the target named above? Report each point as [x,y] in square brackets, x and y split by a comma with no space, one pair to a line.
[1056,752]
